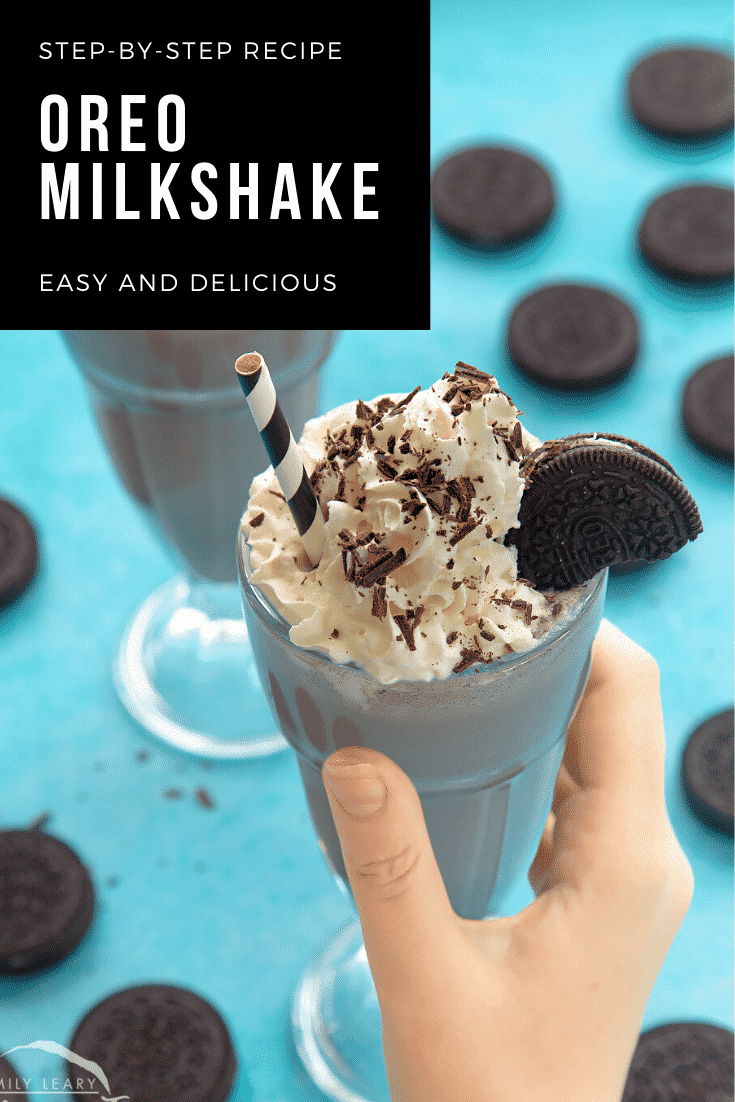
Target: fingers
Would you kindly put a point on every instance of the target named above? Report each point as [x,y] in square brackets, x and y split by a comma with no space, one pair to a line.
[615,743]
[614,827]
[539,870]
[563,789]
[405,913]
[609,793]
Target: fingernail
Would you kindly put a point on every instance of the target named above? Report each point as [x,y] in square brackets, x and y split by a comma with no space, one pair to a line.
[357,788]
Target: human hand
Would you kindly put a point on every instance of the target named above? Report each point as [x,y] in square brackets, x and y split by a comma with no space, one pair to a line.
[545,1005]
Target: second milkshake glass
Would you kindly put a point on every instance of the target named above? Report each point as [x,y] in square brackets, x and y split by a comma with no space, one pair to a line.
[176,425]
[483,750]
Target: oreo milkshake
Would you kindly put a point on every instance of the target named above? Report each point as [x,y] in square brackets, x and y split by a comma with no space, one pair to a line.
[415,635]
[177,428]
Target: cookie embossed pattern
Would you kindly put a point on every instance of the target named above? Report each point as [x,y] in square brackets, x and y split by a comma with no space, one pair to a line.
[594,500]
[46,901]
[158,1041]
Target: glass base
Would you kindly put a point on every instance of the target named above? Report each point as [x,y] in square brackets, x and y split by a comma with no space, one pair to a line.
[336,1022]
[185,672]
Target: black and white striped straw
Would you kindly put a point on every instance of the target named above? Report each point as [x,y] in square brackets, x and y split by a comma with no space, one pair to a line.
[283,452]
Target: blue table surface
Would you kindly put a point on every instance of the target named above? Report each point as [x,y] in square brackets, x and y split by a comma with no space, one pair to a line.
[234,900]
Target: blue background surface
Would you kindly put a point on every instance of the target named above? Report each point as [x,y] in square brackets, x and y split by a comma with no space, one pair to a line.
[233,901]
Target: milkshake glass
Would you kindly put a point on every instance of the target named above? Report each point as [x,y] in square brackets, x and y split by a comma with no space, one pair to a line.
[482,748]
[177,428]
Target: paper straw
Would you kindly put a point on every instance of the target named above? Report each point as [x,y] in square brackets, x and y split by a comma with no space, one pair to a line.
[283,452]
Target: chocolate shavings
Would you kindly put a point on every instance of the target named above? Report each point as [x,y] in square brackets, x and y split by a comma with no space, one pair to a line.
[380,605]
[387,562]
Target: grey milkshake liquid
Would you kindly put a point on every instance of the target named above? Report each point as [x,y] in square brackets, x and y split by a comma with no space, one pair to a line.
[177,428]
[414,635]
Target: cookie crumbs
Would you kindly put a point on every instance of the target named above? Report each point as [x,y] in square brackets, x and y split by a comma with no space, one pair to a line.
[204,798]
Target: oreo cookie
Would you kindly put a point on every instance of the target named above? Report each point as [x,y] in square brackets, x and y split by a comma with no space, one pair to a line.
[46,899]
[687,234]
[683,93]
[18,552]
[707,407]
[707,771]
[595,499]
[573,336]
[11,1084]
[682,1062]
[157,1041]
[490,196]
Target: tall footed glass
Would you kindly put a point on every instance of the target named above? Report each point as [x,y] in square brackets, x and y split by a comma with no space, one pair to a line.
[178,430]
[483,750]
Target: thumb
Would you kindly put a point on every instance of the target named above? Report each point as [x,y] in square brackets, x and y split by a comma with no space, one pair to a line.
[406,917]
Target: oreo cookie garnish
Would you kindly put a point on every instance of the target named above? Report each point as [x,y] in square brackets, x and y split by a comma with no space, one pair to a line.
[11,1084]
[46,901]
[681,1062]
[18,552]
[595,499]
[707,771]
[707,407]
[573,336]
[157,1041]
[687,234]
[683,93]
[490,196]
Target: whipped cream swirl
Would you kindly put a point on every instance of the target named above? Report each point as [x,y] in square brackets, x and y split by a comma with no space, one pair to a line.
[418,493]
